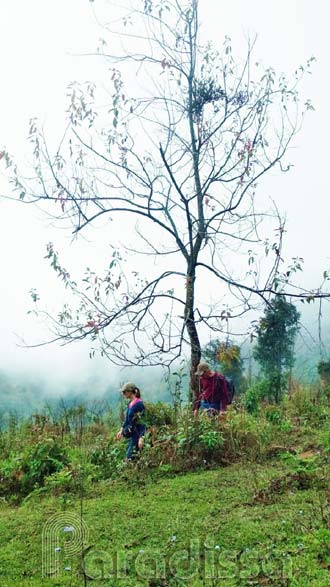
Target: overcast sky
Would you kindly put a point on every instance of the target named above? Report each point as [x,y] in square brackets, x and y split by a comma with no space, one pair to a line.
[40,41]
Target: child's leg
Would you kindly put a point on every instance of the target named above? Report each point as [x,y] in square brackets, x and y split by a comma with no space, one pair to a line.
[133,447]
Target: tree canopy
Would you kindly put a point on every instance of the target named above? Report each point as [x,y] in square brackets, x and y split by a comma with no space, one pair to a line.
[275,343]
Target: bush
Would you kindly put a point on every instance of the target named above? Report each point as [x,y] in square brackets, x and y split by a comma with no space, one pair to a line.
[200,435]
[254,395]
[108,458]
[302,403]
[74,478]
[245,435]
[21,475]
[45,458]
[159,414]
[273,414]
[60,482]
[192,443]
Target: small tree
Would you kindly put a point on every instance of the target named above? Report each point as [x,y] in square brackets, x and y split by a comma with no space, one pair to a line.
[274,351]
[226,356]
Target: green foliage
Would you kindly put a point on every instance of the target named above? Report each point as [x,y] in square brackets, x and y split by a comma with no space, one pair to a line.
[33,463]
[274,350]
[325,440]
[274,484]
[108,458]
[45,458]
[246,436]
[200,435]
[60,482]
[226,357]
[254,395]
[303,404]
[273,414]
[305,468]
[19,475]
[326,391]
[159,414]
[318,544]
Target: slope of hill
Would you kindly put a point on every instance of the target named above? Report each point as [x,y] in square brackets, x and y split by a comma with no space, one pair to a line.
[246,524]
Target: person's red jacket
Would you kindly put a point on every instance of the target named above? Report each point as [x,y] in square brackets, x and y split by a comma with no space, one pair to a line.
[207,384]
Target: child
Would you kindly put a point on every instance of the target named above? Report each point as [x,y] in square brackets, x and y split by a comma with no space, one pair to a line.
[132,427]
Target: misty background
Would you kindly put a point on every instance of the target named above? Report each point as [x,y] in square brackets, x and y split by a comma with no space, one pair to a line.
[42,46]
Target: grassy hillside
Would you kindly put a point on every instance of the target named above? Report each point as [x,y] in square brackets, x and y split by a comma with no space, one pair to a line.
[255,511]
[233,520]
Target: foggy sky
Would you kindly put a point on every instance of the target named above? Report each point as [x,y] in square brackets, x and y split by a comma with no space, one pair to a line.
[39,44]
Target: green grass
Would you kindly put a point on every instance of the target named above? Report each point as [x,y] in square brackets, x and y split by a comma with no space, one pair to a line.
[262,520]
[213,512]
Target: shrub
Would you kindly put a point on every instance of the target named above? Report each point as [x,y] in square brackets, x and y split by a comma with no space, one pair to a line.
[74,478]
[192,442]
[108,458]
[159,414]
[42,460]
[255,394]
[302,403]
[244,434]
[60,482]
[273,414]
[199,435]
[21,475]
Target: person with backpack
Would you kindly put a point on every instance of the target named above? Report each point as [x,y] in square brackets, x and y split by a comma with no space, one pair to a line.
[214,395]
[133,428]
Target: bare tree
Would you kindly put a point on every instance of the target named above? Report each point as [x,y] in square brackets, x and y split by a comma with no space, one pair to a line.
[178,140]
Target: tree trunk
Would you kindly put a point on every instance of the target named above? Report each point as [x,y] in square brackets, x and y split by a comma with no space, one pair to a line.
[195,346]
[278,386]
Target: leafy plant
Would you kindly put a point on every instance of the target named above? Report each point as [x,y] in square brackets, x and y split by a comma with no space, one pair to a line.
[108,458]
[20,475]
[273,414]
[254,395]
[300,465]
[199,436]
[159,414]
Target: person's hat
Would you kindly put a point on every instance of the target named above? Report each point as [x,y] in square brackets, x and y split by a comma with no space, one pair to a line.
[201,368]
[128,387]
